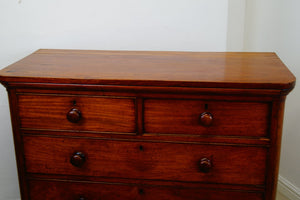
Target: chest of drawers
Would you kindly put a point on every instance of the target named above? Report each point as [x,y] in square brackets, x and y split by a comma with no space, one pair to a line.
[121,125]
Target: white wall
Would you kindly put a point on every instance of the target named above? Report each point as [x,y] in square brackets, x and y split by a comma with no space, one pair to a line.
[236,25]
[273,25]
[189,25]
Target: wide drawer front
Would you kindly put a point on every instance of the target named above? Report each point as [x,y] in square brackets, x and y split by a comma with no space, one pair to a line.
[206,117]
[79,113]
[49,190]
[145,160]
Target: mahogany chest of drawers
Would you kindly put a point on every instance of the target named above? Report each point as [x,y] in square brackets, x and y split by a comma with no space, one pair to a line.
[121,125]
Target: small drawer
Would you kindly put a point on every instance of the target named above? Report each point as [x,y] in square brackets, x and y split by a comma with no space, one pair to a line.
[145,160]
[77,113]
[49,190]
[206,117]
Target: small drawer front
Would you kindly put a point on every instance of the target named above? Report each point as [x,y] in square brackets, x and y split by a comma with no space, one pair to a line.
[79,113]
[206,117]
[145,160]
[49,190]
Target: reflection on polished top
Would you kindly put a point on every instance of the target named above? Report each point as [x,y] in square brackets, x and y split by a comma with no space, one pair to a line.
[142,68]
[121,125]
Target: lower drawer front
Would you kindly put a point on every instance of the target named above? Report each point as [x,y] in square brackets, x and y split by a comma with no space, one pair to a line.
[145,160]
[50,190]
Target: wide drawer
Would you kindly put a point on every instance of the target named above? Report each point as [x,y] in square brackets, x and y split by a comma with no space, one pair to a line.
[49,190]
[145,160]
[79,113]
[206,117]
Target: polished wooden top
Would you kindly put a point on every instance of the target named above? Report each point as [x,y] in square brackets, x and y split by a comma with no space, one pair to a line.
[146,68]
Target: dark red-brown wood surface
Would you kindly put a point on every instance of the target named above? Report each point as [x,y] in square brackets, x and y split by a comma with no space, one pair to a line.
[110,114]
[49,190]
[146,160]
[147,125]
[228,118]
[223,69]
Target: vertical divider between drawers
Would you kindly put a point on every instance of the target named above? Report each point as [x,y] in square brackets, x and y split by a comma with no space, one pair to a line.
[139,110]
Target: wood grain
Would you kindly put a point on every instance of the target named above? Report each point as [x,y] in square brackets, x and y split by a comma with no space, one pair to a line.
[229,118]
[274,158]
[146,160]
[191,69]
[98,113]
[111,191]
[127,125]
[18,144]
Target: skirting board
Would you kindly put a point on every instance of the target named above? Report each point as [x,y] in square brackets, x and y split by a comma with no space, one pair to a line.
[287,189]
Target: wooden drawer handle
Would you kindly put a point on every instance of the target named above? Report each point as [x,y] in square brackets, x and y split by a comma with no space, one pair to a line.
[77,159]
[141,191]
[74,115]
[205,165]
[206,119]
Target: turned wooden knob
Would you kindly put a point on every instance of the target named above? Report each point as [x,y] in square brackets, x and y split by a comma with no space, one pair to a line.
[206,119]
[205,165]
[74,115]
[141,191]
[77,159]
